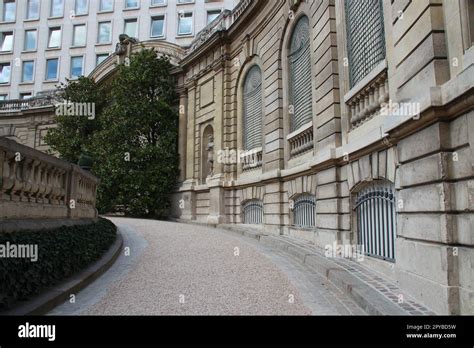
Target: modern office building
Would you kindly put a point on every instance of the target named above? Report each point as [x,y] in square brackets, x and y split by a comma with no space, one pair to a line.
[43,42]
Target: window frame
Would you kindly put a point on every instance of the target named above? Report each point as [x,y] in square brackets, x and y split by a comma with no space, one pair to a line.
[137,29]
[178,22]
[98,42]
[23,81]
[7,83]
[4,12]
[82,56]
[76,14]
[25,40]
[50,30]
[27,11]
[2,37]
[100,10]
[51,16]
[153,17]
[74,26]
[58,69]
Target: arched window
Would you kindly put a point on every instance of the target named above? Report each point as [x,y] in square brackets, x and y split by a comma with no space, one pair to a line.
[376,219]
[304,210]
[253,212]
[300,75]
[252,124]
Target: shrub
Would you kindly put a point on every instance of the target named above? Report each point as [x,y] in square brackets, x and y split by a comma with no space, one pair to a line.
[62,252]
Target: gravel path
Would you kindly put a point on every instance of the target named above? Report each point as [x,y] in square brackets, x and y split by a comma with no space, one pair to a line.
[180,269]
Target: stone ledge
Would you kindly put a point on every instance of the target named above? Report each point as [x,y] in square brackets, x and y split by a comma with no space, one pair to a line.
[60,293]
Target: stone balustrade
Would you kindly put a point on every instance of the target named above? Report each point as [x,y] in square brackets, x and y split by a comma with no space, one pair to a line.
[302,140]
[367,103]
[34,185]
[40,101]
[251,159]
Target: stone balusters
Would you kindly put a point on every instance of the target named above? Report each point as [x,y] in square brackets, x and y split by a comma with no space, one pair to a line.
[36,185]
[368,102]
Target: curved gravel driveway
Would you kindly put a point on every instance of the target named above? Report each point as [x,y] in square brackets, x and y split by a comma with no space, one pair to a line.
[180,269]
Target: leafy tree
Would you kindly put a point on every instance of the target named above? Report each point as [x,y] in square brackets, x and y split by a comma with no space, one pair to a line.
[134,143]
[74,134]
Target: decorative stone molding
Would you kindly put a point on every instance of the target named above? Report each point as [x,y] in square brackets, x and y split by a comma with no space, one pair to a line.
[300,185]
[378,165]
[253,192]
[302,140]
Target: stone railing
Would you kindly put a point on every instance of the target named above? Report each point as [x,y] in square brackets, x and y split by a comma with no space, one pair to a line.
[15,105]
[34,185]
[367,102]
[302,140]
[221,23]
[251,159]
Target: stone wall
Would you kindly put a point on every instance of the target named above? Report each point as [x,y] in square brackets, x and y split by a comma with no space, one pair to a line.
[34,185]
[428,158]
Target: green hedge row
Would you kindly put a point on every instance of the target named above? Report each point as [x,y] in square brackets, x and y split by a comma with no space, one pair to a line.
[62,252]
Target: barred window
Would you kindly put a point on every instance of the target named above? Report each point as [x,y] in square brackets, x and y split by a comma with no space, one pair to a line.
[365,37]
[252,123]
[300,75]
[253,212]
[304,210]
[376,220]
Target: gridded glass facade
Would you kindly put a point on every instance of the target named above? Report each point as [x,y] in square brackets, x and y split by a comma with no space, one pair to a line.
[253,109]
[365,37]
[300,75]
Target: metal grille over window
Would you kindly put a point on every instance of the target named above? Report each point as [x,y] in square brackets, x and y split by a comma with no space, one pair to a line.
[253,109]
[376,220]
[253,212]
[304,211]
[300,75]
[365,37]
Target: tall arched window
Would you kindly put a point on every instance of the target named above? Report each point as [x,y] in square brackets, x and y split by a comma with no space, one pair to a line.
[300,75]
[252,102]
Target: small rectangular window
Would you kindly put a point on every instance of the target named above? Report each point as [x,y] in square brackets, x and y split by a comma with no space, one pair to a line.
[5,71]
[131,27]
[54,37]
[76,66]
[131,3]
[157,26]
[158,2]
[28,69]
[30,40]
[24,96]
[185,1]
[32,11]
[81,7]
[9,11]
[3,97]
[100,58]
[79,35]
[185,23]
[105,31]
[211,15]
[7,41]
[106,5]
[57,8]
[52,66]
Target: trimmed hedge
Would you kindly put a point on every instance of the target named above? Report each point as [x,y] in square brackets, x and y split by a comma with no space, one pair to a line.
[62,252]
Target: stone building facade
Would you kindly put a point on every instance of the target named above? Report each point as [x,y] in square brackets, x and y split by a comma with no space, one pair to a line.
[334,121]
[340,121]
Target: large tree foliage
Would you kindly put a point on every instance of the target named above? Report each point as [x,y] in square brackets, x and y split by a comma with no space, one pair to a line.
[134,138]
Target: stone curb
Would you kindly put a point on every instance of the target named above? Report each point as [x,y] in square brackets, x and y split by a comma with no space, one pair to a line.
[60,293]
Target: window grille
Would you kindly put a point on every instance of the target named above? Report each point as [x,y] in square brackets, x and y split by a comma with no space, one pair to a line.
[304,211]
[376,220]
[253,109]
[365,37]
[300,75]
[253,212]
